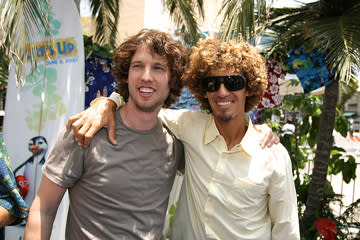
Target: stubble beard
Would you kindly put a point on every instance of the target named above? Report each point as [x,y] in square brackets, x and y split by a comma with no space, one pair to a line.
[224,118]
[152,108]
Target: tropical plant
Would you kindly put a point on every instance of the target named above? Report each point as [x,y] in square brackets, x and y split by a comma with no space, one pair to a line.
[4,72]
[331,27]
[19,21]
[347,91]
[302,146]
[246,19]
[106,13]
[186,14]
[91,47]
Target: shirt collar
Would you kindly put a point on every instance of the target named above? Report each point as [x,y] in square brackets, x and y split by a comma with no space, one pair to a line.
[211,131]
[249,144]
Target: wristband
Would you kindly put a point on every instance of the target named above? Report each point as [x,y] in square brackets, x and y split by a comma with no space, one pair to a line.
[117,99]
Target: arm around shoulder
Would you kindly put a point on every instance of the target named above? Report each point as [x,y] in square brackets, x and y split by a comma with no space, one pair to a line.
[101,114]
[43,210]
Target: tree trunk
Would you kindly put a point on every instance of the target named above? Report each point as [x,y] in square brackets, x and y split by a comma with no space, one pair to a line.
[322,155]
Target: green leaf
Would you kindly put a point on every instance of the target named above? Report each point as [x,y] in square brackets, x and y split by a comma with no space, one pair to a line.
[349,171]
[341,125]
[338,167]
[304,127]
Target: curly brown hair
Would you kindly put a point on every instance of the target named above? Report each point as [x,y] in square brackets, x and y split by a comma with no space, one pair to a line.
[212,55]
[159,43]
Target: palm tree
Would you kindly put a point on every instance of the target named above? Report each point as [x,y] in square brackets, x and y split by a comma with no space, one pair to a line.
[21,19]
[332,27]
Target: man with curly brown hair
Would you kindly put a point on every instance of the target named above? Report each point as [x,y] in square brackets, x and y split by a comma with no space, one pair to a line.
[233,187]
[122,191]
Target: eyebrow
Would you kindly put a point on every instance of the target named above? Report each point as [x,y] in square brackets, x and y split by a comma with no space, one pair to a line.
[156,63]
[161,64]
[132,62]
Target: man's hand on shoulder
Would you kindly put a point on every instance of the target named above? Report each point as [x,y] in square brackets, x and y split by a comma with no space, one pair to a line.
[268,138]
[87,123]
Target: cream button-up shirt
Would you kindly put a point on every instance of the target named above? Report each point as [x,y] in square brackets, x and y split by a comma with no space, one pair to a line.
[243,193]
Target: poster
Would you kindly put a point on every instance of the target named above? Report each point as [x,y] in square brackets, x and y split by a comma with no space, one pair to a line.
[36,112]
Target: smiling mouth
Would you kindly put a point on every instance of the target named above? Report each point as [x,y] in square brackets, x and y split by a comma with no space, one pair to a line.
[224,103]
[145,90]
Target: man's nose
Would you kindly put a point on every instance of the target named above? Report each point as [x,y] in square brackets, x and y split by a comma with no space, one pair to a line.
[223,90]
[147,74]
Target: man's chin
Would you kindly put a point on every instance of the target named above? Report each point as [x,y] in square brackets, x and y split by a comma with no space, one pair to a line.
[148,109]
[224,118]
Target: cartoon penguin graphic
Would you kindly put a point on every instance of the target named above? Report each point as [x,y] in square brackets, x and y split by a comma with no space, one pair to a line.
[38,146]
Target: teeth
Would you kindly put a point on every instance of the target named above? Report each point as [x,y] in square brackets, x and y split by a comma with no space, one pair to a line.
[146,90]
[224,103]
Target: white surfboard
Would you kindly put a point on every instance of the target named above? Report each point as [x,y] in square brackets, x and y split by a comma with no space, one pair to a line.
[35,113]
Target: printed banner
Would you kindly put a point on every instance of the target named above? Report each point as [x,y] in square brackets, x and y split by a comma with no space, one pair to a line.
[36,112]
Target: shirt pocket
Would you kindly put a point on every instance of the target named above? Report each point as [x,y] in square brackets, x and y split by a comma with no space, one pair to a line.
[247,198]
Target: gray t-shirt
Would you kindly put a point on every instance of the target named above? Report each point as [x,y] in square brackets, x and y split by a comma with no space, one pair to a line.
[116,192]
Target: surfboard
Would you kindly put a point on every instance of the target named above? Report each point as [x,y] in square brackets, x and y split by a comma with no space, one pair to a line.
[36,112]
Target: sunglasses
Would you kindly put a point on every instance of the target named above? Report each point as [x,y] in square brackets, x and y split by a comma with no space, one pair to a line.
[231,82]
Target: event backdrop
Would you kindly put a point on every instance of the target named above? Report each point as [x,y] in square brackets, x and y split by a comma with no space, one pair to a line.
[36,112]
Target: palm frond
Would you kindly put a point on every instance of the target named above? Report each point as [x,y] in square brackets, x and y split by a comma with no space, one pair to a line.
[347,91]
[106,14]
[287,24]
[338,36]
[182,13]
[245,18]
[4,71]
[20,21]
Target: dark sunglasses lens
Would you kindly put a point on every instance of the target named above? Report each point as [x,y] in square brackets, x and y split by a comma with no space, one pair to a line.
[234,83]
[210,84]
